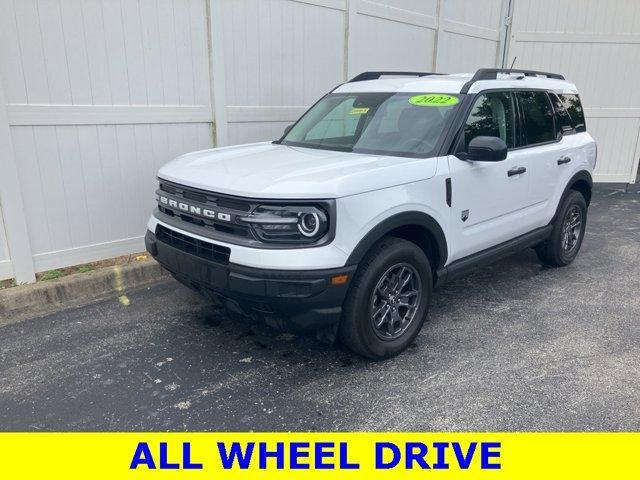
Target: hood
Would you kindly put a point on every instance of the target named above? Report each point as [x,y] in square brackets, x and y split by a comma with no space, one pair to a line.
[267,170]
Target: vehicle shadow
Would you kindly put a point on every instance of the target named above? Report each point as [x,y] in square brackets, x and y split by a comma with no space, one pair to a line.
[252,337]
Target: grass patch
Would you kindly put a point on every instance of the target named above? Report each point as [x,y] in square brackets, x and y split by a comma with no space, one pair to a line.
[84,268]
[51,275]
[7,283]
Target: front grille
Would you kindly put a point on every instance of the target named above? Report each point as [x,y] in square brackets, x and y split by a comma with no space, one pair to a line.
[198,197]
[231,207]
[185,243]
[214,199]
[230,229]
[234,204]
[167,188]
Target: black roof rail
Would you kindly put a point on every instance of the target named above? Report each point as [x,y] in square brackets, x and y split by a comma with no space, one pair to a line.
[376,75]
[492,74]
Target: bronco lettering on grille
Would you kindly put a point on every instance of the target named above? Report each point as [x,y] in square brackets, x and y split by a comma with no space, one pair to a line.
[194,210]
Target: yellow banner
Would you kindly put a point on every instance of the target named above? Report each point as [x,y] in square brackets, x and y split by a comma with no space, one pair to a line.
[359,456]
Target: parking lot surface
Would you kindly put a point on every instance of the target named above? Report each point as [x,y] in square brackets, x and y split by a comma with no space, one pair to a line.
[511,347]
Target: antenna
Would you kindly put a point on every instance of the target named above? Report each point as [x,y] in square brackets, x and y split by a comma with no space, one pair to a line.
[513,63]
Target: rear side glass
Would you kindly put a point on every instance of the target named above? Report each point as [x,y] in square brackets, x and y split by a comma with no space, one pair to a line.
[538,125]
[563,120]
[573,106]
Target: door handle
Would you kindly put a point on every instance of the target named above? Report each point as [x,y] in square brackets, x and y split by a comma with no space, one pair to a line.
[516,171]
[563,160]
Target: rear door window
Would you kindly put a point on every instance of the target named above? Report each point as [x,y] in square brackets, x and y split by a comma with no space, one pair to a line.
[573,106]
[537,118]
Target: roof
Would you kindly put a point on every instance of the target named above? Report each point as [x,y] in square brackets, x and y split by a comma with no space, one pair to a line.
[453,83]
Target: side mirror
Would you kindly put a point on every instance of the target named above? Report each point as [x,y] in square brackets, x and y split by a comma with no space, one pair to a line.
[287,129]
[485,149]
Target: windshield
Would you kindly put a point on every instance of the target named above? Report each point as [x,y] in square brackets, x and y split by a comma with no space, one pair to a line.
[398,124]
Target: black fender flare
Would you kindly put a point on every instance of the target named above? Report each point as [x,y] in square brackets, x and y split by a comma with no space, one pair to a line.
[581,175]
[403,219]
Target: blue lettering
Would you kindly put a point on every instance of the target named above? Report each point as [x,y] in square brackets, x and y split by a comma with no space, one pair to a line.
[441,448]
[418,457]
[235,453]
[296,452]
[164,458]
[142,456]
[186,458]
[395,451]
[278,454]
[324,450]
[487,452]
[464,460]
[344,458]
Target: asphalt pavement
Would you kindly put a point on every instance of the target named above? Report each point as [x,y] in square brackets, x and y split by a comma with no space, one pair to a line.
[511,347]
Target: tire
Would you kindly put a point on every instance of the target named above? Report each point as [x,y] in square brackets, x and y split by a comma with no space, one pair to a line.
[374,288]
[555,251]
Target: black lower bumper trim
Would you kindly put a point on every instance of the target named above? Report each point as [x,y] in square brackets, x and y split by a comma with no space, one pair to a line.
[295,300]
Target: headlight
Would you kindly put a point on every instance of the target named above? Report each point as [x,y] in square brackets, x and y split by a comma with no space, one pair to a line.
[309,224]
[288,224]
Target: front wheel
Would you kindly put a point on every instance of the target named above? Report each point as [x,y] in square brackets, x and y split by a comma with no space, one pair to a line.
[564,243]
[388,300]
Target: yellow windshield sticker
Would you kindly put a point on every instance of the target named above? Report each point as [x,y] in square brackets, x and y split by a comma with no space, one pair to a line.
[358,111]
[434,100]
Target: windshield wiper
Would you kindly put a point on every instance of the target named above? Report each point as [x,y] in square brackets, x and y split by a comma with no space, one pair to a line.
[320,146]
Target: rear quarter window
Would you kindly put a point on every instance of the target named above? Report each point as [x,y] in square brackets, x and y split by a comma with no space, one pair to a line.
[573,105]
[564,125]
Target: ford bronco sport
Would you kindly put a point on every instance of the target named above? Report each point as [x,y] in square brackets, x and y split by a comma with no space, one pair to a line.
[390,184]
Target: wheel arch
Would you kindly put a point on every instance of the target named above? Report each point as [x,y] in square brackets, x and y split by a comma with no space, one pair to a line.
[581,182]
[417,227]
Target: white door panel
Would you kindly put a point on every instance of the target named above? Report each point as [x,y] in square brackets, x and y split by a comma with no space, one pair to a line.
[492,200]
[542,150]
[547,176]
[488,197]
[579,149]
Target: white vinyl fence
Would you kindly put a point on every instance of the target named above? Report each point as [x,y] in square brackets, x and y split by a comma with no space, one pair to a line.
[596,44]
[95,95]
[280,56]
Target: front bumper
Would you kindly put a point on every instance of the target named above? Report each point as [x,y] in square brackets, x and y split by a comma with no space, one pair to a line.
[299,300]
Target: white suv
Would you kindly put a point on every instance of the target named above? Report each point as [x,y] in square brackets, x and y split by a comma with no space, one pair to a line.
[383,189]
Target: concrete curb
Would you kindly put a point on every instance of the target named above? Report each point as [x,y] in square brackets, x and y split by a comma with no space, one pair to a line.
[28,301]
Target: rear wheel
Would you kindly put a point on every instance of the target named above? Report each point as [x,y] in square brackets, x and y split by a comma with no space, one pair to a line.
[388,299]
[564,243]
